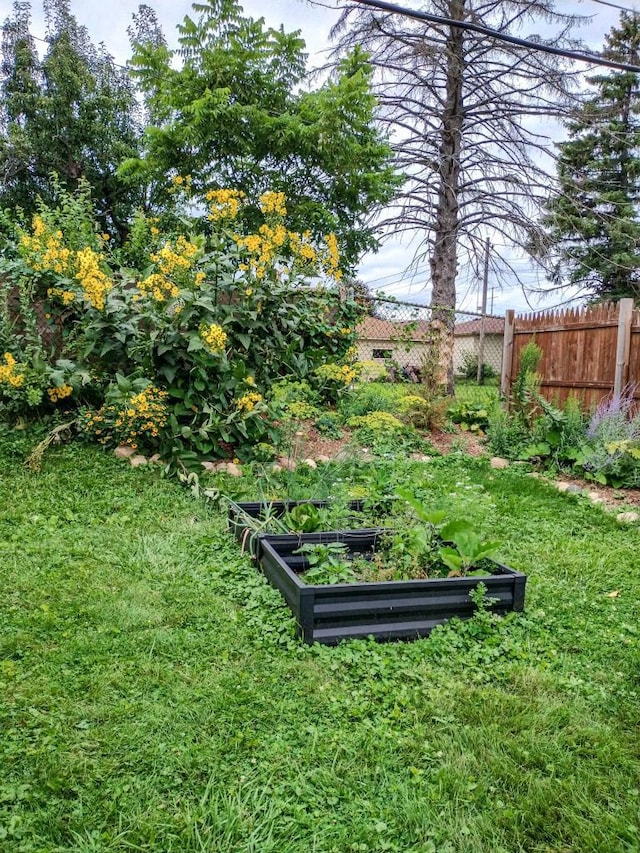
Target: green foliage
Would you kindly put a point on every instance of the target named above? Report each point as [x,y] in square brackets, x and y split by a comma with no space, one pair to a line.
[471,417]
[328,564]
[468,550]
[610,453]
[235,73]
[372,397]
[304,518]
[426,413]
[73,112]
[328,425]
[470,368]
[593,224]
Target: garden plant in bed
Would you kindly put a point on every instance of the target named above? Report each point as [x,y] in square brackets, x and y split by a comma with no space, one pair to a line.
[387,583]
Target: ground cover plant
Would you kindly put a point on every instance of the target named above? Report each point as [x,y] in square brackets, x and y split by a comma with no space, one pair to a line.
[153,696]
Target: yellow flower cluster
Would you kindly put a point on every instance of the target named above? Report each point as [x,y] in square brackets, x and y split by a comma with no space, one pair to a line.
[8,373]
[332,258]
[142,415]
[173,261]
[272,202]
[159,287]
[214,337]
[60,392]
[44,251]
[67,296]
[247,402]
[92,279]
[341,373]
[181,183]
[224,204]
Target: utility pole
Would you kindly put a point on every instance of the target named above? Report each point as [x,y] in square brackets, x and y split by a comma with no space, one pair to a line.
[483,310]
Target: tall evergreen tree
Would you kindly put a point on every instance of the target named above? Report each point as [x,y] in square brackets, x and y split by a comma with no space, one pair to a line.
[593,223]
[74,113]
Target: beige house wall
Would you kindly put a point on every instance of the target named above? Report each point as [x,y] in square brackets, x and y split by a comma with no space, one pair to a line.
[469,344]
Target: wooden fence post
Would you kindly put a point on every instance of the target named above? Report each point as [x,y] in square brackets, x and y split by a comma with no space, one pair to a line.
[507,353]
[625,316]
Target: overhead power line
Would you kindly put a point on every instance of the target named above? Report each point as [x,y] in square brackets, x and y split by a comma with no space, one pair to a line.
[592,59]
[615,6]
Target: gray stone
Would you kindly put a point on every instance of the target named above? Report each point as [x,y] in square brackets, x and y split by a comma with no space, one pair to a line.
[310,463]
[498,462]
[210,466]
[138,460]
[322,457]
[627,517]
[595,498]
[123,452]
[234,470]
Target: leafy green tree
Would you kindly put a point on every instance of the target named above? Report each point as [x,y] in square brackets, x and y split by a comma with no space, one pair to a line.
[594,221]
[235,114]
[73,113]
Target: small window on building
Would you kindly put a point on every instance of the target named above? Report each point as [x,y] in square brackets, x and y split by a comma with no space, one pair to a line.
[382,353]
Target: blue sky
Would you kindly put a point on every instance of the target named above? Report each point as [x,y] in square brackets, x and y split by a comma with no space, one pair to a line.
[387,269]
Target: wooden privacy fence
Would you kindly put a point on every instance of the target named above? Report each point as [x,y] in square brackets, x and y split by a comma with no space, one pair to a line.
[586,352]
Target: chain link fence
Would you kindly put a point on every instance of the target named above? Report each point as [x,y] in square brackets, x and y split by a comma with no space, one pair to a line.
[396,335]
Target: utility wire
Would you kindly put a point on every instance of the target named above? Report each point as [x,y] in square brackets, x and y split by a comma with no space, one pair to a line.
[615,6]
[592,59]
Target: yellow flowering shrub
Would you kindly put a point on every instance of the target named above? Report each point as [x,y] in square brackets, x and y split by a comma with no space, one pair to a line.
[273,202]
[173,263]
[134,420]
[343,374]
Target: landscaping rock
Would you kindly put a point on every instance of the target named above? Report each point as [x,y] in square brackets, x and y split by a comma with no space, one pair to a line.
[569,488]
[595,498]
[276,468]
[627,517]
[210,466]
[156,459]
[498,462]
[123,452]
[138,460]
[310,463]
[234,470]
[322,457]
[286,463]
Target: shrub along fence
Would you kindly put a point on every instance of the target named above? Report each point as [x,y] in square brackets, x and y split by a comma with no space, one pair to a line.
[587,352]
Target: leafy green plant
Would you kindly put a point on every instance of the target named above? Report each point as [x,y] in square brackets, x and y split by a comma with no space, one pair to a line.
[470,367]
[468,550]
[470,417]
[328,424]
[304,518]
[327,563]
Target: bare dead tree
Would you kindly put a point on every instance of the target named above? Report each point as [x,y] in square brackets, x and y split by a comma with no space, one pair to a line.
[469,118]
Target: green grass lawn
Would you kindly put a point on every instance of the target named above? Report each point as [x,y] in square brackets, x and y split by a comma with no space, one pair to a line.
[153,697]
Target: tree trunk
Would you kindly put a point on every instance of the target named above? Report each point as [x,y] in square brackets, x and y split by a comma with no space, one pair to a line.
[443,259]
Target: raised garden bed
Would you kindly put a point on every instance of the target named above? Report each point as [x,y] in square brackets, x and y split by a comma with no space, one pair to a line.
[386,610]
[242,516]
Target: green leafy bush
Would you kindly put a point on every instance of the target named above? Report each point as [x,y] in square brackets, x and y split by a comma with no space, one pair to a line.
[215,316]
